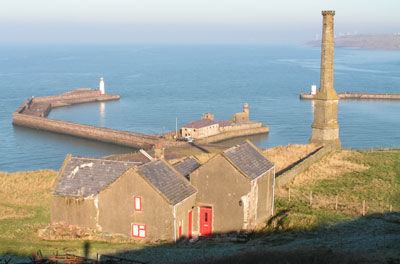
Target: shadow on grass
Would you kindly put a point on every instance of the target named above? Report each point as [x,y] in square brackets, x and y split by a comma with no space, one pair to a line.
[370,239]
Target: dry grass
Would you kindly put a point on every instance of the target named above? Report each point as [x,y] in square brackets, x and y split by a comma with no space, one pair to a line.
[350,177]
[284,156]
[26,188]
[13,213]
[330,167]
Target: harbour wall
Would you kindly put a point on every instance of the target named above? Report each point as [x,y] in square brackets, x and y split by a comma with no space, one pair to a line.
[33,114]
[123,138]
[240,126]
[359,96]
[233,134]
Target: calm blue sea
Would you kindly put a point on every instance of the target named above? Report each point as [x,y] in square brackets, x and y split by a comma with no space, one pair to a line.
[158,83]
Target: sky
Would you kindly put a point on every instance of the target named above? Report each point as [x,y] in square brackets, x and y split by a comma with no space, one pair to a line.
[189,21]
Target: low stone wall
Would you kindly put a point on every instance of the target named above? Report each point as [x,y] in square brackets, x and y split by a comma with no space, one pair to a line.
[233,134]
[89,132]
[68,95]
[287,175]
[369,96]
[236,127]
[359,96]
[81,100]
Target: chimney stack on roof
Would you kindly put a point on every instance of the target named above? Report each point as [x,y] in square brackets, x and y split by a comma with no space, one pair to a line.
[159,151]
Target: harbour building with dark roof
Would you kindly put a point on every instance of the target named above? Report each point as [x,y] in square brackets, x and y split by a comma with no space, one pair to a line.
[208,127]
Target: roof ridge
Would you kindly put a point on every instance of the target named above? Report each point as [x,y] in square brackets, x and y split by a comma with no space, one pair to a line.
[235,166]
[233,147]
[174,162]
[175,172]
[100,159]
[244,169]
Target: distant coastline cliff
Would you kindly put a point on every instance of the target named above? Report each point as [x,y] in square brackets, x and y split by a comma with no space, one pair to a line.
[379,42]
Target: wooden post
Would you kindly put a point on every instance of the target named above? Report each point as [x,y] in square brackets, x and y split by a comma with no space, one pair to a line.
[311,198]
[336,203]
[289,194]
[363,208]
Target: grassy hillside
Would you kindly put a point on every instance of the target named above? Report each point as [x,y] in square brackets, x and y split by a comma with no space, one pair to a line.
[350,176]
[24,209]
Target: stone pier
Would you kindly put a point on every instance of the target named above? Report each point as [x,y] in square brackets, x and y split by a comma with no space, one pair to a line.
[325,129]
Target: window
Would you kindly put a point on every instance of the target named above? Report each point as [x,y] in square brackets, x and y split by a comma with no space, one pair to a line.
[139,231]
[137,203]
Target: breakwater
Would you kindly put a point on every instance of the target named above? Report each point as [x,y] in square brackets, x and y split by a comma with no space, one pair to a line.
[33,114]
[85,131]
[34,111]
[235,133]
[359,96]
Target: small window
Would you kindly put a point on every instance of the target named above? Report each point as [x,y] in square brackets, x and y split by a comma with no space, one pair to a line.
[139,231]
[137,203]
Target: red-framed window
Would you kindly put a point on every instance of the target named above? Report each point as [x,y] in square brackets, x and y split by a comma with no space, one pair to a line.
[137,203]
[138,231]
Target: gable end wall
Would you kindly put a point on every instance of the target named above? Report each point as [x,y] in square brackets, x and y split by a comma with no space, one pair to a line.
[221,186]
[117,208]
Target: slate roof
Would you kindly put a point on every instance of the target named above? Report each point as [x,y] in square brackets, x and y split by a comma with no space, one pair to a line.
[186,166]
[200,123]
[171,185]
[83,177]
[248,160]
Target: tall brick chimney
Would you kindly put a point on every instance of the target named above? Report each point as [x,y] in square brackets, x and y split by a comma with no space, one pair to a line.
[325,129]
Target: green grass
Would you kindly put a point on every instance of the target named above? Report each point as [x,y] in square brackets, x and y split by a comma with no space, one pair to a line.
[25,197]
[25,202]
[300,216]
[378,185]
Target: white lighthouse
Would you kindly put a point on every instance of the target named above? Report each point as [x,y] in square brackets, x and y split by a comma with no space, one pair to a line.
[313,89]
[101,86]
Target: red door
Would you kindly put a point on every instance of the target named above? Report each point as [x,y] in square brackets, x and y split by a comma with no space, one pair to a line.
[205,220]
[190,225]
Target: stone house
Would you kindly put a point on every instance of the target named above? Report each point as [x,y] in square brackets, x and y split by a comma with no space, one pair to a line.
[204,127]
[235,190]
[157,200]
[207,126]
[149,202]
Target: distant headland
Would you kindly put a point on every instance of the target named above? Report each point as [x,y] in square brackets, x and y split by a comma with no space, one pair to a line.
[378,42]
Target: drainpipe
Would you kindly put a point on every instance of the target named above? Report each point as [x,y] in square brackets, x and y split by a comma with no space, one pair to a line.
[174,224]
[273,194]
